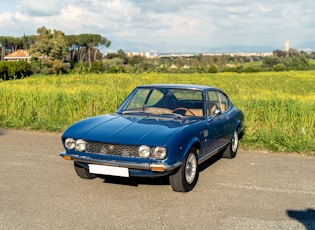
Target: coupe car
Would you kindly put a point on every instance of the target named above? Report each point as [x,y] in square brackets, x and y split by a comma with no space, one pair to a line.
[158,130]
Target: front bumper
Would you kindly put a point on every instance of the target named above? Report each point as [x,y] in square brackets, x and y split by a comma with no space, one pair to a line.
[140,169]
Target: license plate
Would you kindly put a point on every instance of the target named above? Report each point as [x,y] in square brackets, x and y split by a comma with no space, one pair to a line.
[109,170]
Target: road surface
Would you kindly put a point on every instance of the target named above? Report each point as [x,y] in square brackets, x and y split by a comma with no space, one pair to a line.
[256,190]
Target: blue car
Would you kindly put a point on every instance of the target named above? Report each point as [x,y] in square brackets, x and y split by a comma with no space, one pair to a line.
[159,130]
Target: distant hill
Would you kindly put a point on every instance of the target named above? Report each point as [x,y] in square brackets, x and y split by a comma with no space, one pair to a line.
[307,46]
[168,48]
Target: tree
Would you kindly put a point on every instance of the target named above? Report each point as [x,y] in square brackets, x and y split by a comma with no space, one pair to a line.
[90,41]
[270,61]
[50,46]
[73,48]
[3,43]
[223,60]
[57,66]
[278,53]
[43,43]
[83,45]
[10,44]
[59,47]
[294,52]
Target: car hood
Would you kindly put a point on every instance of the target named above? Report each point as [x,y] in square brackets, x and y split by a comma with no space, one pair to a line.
[127,129]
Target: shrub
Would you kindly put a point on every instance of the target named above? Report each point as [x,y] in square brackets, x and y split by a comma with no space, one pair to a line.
[35,65]
[213,69]
[270,61]
[279,67]
[23,69]
[57,67]
[251,69]
[97,67]
[14,70]
[3,70]
[66,67]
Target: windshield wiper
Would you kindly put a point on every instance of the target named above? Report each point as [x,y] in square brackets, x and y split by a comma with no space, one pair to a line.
[174,115]
[134,112]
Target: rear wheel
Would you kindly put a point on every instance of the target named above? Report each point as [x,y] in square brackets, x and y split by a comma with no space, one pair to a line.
[185,179]
[231,150]
[83,172]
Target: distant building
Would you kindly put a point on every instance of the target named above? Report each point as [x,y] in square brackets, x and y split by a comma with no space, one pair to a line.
[287,45]
[19,55]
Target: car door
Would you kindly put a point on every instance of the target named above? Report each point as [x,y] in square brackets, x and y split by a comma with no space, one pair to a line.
[217,118]
[225,117]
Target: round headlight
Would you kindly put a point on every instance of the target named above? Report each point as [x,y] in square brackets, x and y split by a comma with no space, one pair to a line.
[144,151]
[70,143]
[80,145]
[159,152]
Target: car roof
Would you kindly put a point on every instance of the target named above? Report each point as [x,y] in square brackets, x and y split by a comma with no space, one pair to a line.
[179,86]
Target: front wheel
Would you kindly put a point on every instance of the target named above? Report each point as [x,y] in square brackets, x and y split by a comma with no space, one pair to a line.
[231,150]
[83,172]
[185,179]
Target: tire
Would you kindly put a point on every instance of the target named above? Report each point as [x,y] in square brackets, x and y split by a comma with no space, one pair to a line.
[231,150]
[186,177]
[83,172]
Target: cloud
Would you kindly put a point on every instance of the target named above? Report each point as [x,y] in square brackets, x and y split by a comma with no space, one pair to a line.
[202,22]
[39,8]
[162,6]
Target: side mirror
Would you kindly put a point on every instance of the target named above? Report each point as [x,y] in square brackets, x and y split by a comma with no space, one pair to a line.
[217,112]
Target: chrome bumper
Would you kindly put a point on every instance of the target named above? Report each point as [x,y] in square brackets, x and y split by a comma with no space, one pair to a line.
[129,165]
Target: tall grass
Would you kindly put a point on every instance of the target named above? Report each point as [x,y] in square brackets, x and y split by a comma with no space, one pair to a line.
[279,107]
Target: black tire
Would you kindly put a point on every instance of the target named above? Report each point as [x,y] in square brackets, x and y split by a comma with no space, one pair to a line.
[186,177]
[83,172]
[231,150]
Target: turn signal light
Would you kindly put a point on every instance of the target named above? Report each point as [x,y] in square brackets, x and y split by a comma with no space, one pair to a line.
[158,168]
[67,158]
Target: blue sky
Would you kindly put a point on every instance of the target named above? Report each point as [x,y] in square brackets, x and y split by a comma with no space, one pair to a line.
[8,6]
[209,23]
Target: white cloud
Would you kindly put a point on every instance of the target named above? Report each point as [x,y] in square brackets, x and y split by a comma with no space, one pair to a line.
[39,8]
[201,22]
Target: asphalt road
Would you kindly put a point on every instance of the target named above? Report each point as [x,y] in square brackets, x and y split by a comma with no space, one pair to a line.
[40,190]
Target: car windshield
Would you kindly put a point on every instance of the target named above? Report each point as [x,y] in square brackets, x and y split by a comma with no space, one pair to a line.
[183,102]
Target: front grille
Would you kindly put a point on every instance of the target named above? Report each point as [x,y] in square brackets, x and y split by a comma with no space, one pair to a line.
[112,149]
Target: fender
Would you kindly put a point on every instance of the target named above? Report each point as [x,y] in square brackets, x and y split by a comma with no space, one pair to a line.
[238,127]
[191,143]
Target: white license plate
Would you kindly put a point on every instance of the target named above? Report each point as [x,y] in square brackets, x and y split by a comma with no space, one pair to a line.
[109,170]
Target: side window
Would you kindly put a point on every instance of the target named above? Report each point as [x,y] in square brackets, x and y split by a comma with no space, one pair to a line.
[212,102]
[216,100]
[224,104]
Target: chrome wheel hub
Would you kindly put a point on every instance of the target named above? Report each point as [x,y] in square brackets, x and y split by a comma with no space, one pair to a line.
[191,168]
[235,142]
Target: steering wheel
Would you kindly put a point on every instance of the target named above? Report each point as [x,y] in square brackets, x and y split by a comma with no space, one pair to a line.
[182,108]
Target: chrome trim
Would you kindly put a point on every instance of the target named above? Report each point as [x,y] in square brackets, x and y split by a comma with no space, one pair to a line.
[212,153]
[129,165]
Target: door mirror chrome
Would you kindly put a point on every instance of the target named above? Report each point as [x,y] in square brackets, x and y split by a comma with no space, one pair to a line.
[217,112]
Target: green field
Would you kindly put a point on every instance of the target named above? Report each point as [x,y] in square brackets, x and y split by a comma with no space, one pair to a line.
[279,107]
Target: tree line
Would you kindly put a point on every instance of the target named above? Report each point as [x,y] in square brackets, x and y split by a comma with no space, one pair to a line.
[53,52]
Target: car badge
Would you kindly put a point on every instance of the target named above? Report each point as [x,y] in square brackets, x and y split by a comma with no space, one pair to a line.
[111,147]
